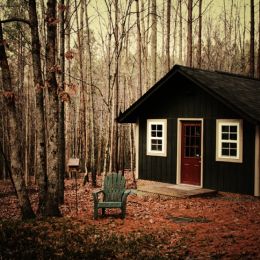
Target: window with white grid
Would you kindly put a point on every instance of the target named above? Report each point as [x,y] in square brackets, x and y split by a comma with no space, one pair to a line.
[229,134]
[156,137]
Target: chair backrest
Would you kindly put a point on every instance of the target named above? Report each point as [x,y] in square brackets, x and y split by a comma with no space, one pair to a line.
[114,187]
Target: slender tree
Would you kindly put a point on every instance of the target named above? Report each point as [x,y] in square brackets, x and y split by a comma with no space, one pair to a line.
[189,34]
[116,93]
[258,59]
[41,167]
[168,34]
[93,159]
[252,40]
[199,35]
[154,42]
[52,201]
[13,125]
[180,32]
[139,49]
[62,146]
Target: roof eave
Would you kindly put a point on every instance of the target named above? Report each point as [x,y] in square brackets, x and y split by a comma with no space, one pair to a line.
[122,118]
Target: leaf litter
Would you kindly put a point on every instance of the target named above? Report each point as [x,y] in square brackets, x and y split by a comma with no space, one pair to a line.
[223,227]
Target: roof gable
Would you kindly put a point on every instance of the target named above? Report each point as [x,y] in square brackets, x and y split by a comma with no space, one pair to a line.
[240,93]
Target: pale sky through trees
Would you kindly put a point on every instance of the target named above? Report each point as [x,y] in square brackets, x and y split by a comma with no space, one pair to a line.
[211,8]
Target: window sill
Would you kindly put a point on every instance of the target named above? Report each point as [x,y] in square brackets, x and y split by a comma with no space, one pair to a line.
[156,154]
[231,160]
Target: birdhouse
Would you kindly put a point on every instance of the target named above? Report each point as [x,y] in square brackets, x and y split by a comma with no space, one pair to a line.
[73,166]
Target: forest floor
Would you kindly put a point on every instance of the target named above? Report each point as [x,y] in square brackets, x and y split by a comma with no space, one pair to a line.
[226,226]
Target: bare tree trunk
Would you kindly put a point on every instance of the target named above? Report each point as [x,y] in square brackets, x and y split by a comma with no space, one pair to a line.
[174,45]
[110,127]
[41,167]
[189,34]
[92,107]
[27,130]
[154,42]
[168,34]
[180,32]
[52,201]
[252,40]
[114,141]
[13,126]
[242,40]
[163,64]
[200,32]
[139,53]
[62,154]
[145,46]
[258,60]
[69,133]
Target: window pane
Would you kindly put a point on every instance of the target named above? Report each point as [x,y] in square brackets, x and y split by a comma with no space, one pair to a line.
[225,152]
[159,134]
[225,145]
[153,133]
[197,131]
[187,128]
[159,127]
[187,141]
[153,127]
[233,129]
[192,132]
[233,145]
[197,141]
[197,151]
[192,152]
[225,136]
[233,152]
[192,141]
[153,147]
[233,136]
[187,151]
[225,128]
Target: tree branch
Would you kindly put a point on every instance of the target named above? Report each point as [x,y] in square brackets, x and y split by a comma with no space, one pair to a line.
[16,19]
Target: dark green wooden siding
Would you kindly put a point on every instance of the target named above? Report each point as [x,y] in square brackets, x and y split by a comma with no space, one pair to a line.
[182,99]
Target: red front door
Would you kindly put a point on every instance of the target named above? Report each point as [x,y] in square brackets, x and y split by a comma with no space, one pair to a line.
[191,152]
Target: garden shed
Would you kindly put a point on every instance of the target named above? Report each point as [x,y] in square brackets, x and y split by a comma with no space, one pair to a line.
[200,128]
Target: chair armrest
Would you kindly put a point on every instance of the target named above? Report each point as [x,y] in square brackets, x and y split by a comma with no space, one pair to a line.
[95,195]
[124,196]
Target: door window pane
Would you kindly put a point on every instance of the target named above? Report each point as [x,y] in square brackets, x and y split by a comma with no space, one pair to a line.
[192,141]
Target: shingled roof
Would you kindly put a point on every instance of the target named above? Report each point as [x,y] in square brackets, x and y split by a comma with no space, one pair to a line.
[242,94]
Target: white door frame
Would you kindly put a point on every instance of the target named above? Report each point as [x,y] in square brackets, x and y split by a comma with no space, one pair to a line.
[179,138]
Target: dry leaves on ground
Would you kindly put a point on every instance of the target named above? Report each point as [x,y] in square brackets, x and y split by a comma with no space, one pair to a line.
[225,226]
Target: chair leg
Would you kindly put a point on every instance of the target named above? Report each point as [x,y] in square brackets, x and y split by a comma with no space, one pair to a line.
[123,212]
[95,212]
[103,211]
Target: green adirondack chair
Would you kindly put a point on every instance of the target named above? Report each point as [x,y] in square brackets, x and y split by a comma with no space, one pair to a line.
[114,194]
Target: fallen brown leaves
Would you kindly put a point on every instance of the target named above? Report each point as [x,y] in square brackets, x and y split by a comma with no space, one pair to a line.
[223,227]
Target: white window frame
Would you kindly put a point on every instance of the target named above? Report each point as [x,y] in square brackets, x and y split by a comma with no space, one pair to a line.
[149,137]
[239,141]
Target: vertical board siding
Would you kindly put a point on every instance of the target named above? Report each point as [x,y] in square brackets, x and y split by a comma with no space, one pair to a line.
[182,99]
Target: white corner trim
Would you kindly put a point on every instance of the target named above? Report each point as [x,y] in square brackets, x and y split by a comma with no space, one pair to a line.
[257,161]
[178,168]
[137,149]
